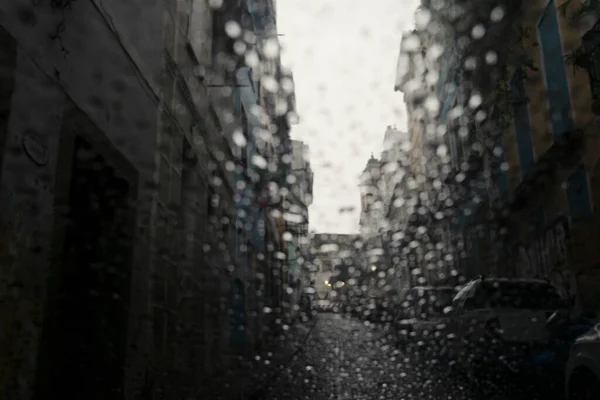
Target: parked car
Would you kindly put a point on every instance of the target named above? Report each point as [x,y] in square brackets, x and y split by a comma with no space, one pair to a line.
[420,318]
[501,319]
[582,371]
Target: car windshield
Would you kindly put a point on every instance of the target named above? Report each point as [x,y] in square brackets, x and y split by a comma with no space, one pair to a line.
[520,295]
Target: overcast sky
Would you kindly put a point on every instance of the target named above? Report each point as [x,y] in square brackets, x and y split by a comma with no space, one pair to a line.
[343,54]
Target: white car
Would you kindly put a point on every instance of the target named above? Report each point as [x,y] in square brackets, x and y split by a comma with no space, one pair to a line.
[510,310]
[582,372]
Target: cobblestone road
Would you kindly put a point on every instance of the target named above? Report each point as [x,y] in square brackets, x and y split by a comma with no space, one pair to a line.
[343,358]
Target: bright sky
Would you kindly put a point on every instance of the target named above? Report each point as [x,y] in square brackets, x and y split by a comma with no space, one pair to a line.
[343,54]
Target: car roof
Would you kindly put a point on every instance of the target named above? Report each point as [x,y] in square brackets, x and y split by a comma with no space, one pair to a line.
[513,280]
[433,288]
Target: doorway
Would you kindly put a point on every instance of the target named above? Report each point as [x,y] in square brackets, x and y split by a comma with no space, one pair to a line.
[84,339]
[8,62]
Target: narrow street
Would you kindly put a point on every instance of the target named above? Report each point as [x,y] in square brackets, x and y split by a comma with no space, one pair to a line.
[343,358]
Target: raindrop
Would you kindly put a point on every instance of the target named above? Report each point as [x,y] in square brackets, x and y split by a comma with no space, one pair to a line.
[475,101]
[240,47]
[291,179]
[435,51]
[478,31]
[422,18]
[287,85]
[470,63]
[491,57]
[270,83]
[259,161]
[233,29]
[238,138]
[497,14]
[252,59]
[442,150]
[411,43]
[432,104]
[271,49]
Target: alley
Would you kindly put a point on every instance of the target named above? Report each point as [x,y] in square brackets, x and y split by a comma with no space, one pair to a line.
[344,359]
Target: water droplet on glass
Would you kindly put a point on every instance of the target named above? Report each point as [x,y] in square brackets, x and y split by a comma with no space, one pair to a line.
[259,161]
[271,48]
[233,29]
[238,138]
[491,57]
[478,31]
[475,101]
[497,14]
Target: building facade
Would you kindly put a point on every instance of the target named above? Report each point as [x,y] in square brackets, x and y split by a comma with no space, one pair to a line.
[521,145]
[69,111]
[336,257]
[128,244]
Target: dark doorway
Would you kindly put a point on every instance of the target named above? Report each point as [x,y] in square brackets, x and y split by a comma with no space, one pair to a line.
[8,61]
[84,340]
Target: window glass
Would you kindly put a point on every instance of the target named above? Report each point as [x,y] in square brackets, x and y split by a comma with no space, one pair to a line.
[520,295]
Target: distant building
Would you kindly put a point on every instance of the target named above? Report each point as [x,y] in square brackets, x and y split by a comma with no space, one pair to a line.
[335,258]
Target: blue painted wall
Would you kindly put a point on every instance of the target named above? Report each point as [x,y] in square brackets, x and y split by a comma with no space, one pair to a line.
[522,121]
[555,70]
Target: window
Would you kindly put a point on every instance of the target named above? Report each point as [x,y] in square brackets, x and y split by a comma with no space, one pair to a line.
[521,120]
[518,295]
[556,74]
[578,194]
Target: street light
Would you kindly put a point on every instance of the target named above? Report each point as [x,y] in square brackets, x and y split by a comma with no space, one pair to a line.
[327,282]
[373,268]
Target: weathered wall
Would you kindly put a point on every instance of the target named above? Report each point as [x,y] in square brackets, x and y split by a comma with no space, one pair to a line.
[88,64]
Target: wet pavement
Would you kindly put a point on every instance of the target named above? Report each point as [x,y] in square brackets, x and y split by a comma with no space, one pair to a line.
[345,359]
[342,358]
